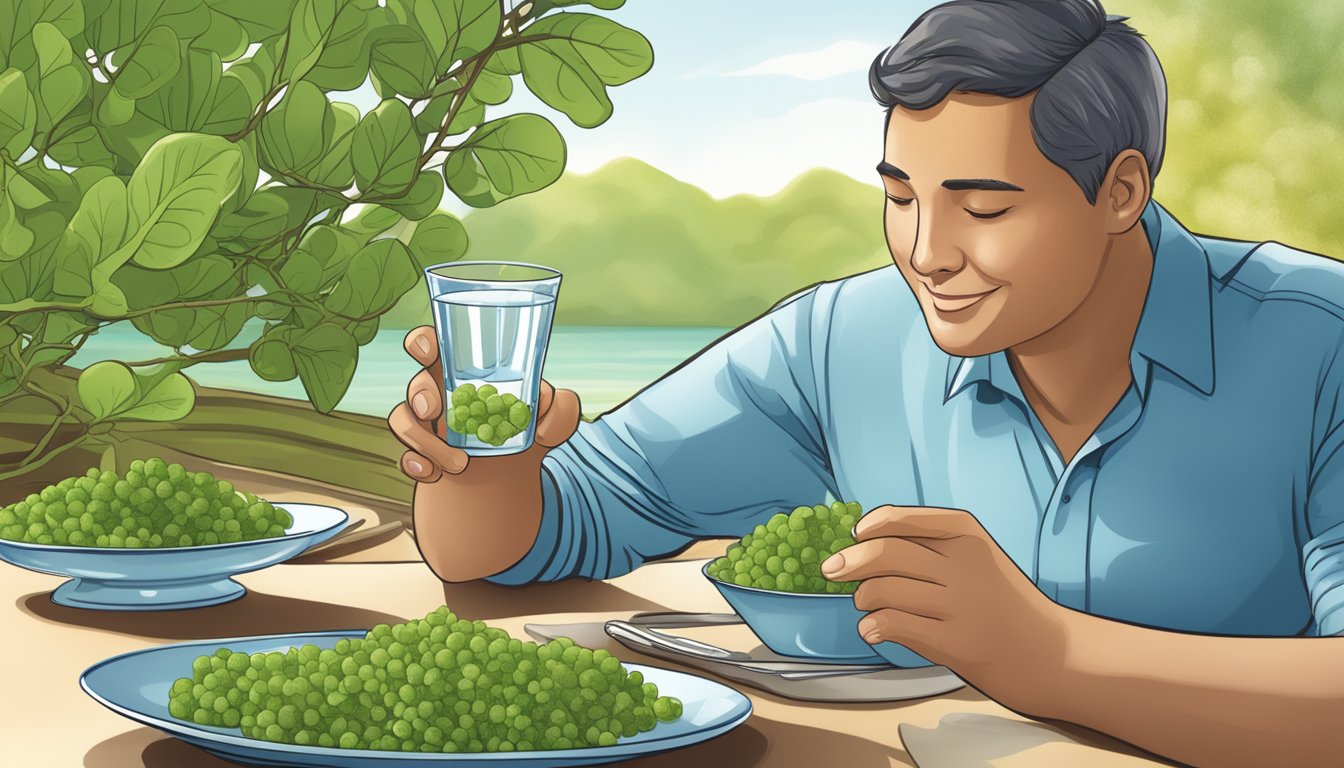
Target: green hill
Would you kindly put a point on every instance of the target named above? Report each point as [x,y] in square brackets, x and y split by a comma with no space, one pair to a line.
[638,247]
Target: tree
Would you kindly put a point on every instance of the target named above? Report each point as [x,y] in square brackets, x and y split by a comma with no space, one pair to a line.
[180,165]
[1255,148]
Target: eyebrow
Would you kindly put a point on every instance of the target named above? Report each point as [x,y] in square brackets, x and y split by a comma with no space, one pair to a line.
[993,185]
[887,169]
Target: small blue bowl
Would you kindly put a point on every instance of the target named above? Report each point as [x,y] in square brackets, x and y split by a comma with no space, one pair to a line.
[821,628]
[169,578]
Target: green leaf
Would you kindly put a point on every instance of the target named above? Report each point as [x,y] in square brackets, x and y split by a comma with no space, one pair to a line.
[115,109]
[16,240]
[263,217]
[175,195]
[438,239]
[271,359]
[344,62]
[336,169]
[201,277]
[570,59]
[132,141]
[505,62]
[18,115]
[261,19]
[332,248]
[172,398]
[205,328]
[116,24]
[153,62]
[302,272]
[298,131]
[35,185]
[82,147]
[325,356]
[505,158]
[108,301]
[97,230]
[253,74]
[200,98]
[247,177]
[402,61]
[62,80]
[21,16]
[309,27]
[491,88]
[364,332]
[543,6]
[107,388]
[385,149]
[422,199]
[457,29]
[225,36]
[377,276]
[371,220]
[86,177]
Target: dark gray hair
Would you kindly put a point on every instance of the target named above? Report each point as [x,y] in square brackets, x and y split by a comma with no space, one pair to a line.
[1099,87]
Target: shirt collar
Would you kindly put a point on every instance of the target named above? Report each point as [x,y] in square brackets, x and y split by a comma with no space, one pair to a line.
[1175,329]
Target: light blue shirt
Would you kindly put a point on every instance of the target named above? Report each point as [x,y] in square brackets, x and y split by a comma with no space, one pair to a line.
[1211,499]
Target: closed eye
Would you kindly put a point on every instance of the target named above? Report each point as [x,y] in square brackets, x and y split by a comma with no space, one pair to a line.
[989,215]
[901,201]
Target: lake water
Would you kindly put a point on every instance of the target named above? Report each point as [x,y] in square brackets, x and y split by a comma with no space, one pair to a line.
[604,365]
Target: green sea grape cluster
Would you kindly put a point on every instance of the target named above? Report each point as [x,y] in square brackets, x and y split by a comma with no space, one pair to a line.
[437,684]
[785,553]
[156,504]
[487,415]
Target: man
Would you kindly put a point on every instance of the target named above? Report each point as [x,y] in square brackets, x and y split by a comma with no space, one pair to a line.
[1099,455]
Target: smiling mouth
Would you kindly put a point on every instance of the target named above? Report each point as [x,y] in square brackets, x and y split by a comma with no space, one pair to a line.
[956,303]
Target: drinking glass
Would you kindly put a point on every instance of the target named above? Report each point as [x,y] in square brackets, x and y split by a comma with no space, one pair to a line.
[493,320]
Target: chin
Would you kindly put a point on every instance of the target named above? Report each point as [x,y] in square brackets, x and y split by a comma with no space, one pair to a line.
[962,340]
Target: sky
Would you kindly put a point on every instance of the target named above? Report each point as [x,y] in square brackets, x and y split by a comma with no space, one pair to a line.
[743,96]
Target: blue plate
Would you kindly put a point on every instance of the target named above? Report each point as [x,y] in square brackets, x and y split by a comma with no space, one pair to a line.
[136,685]
[816,627]
[169,578]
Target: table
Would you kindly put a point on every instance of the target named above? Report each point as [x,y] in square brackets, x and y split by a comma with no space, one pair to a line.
[46,720]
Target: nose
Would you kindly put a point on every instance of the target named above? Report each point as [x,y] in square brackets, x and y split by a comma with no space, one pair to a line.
[933,250]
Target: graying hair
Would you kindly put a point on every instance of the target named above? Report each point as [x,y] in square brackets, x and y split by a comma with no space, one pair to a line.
[1099,87]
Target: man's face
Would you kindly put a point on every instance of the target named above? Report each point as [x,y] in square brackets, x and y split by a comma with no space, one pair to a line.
[998,244]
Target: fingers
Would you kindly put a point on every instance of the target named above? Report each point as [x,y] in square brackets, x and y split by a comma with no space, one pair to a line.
[419,468]
[425,396]
[915,522]
[422,344]
[560,420]
[417,435]
[910,595]
[885,557]
[899,627]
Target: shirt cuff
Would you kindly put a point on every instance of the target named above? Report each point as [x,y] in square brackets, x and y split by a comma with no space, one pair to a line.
[1324,570]
[543,550]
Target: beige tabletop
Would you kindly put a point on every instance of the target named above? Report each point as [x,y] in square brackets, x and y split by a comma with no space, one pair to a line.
[46,720]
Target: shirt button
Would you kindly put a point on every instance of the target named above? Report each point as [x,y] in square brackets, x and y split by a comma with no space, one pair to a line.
[1066,498]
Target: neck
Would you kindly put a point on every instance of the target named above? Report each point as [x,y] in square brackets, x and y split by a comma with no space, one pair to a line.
[1082,364]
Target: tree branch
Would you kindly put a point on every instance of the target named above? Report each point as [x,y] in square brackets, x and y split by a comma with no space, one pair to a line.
[63,405]
[216,356]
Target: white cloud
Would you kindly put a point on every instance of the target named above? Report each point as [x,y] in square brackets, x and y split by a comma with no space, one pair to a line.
[837,59]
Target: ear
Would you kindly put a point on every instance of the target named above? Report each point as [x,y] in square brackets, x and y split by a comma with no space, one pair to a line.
[1125,191]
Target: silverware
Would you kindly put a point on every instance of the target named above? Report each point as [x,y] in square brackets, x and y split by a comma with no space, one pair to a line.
[793,670]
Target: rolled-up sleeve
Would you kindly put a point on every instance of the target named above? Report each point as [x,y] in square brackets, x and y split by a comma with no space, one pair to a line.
[1323,554]
[711,449]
